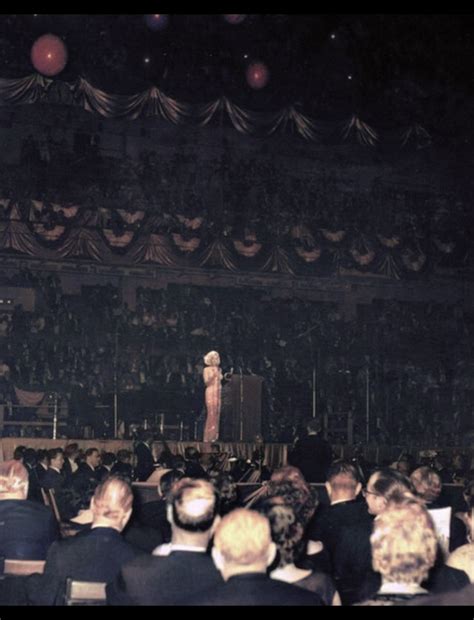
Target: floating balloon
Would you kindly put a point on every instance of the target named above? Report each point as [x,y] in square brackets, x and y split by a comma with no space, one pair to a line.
[257,75]
[49,55]
[156,22]
[234,19]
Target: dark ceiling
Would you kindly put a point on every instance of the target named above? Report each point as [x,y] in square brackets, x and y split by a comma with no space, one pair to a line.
[393,65]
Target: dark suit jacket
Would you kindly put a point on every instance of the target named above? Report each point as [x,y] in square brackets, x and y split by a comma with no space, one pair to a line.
[53,480]
[353,560]
[153,514]
[330,522]
[94,555]
[312,455]
[145,461]
[152,580]
[27,529]
[85,479]
[123,469]
[254,589]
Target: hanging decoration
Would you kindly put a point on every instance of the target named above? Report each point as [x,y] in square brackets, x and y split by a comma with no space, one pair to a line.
[257,75]
[49,55]
[363,133]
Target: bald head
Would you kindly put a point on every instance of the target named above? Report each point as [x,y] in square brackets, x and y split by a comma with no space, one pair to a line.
[193,505]
[111,505]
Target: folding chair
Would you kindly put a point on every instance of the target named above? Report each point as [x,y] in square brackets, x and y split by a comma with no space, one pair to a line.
[22,567]
[85,592]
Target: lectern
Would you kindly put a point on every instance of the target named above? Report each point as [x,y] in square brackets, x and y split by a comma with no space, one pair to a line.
[241,408]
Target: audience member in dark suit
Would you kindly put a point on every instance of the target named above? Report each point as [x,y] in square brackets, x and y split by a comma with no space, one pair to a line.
[122,467]
[352,556]
[105,469]
[42,464]
[71,451]
[34,486]
[145,460]
[53,478]
[428,487]
[243,549]
[27,529]
[181,568]
[87,475]
[154,514]
[343,486]
[193,468]
[312,454]
[95,555]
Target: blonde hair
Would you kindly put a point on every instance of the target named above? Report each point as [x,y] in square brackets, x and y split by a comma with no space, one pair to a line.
[243,537]
[462,558]
[13,477]
[112,498]
[427,483]
[404,543]
[209,357]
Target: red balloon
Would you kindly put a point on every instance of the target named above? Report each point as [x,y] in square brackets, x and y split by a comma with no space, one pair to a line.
[49,55]
[257,75]
[234,19]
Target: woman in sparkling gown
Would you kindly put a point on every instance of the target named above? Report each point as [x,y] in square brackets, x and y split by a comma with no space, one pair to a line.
[212,379]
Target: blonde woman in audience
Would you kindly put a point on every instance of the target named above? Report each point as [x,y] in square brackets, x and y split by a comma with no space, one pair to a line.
[404,545]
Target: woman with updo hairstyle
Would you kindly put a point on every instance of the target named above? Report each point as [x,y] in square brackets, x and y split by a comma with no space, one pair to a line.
[212,376]
[288,535]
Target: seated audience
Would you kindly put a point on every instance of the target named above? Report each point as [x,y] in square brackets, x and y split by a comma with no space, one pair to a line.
[181,568]
[404,545]
[54,478]
[352,555]
[71,451]
[463,559]
[27,529]
[428,487]
[343,486]
[288,535]
[93,555]
[123,466]
[243,550]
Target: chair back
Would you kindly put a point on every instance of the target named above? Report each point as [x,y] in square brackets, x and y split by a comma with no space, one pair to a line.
[22,567]
[53,504]
[85,592]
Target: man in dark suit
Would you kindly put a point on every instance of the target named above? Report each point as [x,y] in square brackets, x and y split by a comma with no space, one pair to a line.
[343,486]
[27,529]
[243,550]
[95,555]
[145,459]
[87,476]
[70,466]
[53,478]
[312,454]
[181,568]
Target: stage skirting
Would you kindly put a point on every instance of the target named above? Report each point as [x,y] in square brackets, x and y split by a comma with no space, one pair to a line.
[275,453]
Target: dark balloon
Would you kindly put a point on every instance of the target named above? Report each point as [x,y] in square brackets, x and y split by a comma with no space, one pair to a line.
[49,55]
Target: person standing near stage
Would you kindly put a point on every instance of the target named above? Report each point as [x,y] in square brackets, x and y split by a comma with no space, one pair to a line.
[212,376]
[312,454]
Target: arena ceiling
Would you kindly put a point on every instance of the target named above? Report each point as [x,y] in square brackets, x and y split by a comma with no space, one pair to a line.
[384,65]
